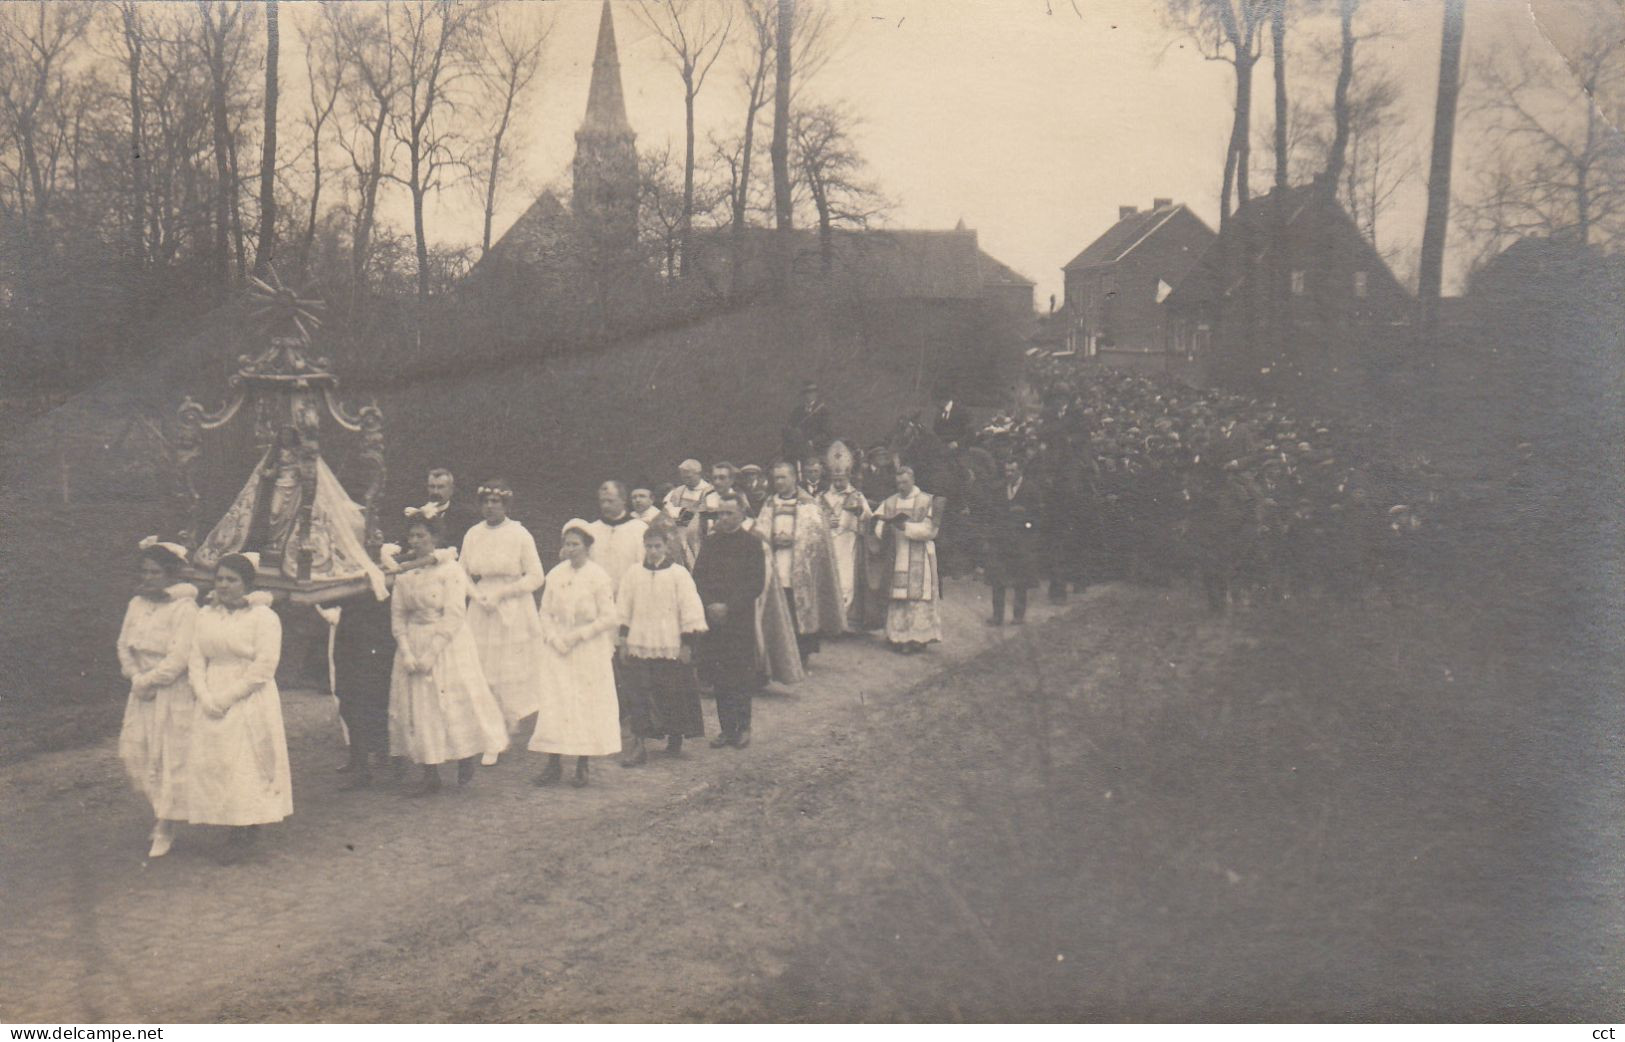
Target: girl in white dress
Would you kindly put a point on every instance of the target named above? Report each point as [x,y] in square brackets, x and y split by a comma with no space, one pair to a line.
[580,714]
[237,769]
[154,646]
[440,707]
[500,557]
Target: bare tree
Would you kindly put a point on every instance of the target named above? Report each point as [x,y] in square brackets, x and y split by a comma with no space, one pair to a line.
[324,72]
[362,38]
[694,33]
[784,215]
[809,39]
[1563,164]
[222,25]
[1337,153]
[131,32]
[37,102]
[1431,276]
[512,47]
[432,45]
[832,169]
[1229,31]
[266,244]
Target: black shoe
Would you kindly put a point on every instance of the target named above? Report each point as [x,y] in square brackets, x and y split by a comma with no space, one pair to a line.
[361,778]
[1018,621]
[636,756]
[995,621]
[742,739]
[722,740]
[580,779]
[551,773]
[465,769]
[674,745]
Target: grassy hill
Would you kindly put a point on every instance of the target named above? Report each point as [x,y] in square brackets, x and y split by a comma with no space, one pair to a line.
[84,476]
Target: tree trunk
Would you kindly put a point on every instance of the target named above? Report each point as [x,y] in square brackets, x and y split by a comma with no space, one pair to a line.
[1244,125]
[1444,133]
[1336,154]
[138,155]
[1582,173]
[422,242]
[784,217]
[685,223]
[361,241]
[491,182]
[737,236]
[1279,318]
[224,186]
[267,236]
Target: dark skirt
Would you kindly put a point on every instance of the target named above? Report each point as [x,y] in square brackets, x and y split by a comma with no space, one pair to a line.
[661,699]
[363,657]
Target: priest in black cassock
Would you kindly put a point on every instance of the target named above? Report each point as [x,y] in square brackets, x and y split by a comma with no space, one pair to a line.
[729,573]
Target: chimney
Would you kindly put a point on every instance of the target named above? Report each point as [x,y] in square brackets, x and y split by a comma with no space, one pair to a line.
[1161,204]
[1126,211]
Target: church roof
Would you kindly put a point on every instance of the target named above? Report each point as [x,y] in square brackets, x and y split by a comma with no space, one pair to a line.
[606,103]
[536,236]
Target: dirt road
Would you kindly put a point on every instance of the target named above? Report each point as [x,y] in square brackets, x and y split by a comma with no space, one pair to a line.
[1125,811]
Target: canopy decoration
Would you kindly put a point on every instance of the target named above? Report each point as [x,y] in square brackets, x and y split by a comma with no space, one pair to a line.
[315,543]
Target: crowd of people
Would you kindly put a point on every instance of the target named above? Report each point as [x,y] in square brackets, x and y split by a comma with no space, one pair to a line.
[728,580]
[732,578]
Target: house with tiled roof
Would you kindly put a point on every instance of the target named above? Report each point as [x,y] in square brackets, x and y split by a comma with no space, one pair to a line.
[1005,286]
[1116,287]
[1339,294]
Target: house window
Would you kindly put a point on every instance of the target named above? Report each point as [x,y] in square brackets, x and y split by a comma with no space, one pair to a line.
[1297,283]
[1360,284]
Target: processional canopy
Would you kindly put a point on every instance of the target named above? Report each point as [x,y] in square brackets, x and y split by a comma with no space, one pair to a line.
[314,542]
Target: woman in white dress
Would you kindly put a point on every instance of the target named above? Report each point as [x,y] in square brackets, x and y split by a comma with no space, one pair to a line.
[237,761]
[154,646]
[580,714]
[500,557]
[440,706]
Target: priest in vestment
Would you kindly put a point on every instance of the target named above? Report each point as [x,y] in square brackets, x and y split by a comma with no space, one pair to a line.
[909,521]
[797,529]
[683,505]
[849,514]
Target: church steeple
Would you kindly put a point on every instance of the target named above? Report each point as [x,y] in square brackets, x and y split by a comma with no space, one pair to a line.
[605,172]
[606,105]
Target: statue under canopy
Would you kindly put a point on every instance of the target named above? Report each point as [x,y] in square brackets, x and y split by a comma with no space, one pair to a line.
[313,540]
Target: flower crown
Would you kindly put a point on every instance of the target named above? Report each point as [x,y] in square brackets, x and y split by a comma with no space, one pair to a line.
[495,490]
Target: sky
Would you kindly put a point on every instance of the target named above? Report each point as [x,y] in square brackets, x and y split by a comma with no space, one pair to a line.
[1031,120]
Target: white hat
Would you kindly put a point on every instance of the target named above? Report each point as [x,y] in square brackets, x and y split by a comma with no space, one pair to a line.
[175,548]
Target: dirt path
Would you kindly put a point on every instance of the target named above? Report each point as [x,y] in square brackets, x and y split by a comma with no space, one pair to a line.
[354,881]
[1127,810]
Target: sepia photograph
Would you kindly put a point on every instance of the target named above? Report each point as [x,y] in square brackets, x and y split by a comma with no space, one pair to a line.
[781,512]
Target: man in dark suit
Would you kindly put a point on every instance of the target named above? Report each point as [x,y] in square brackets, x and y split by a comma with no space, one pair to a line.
[457,517]
[1013,541]
[729,574]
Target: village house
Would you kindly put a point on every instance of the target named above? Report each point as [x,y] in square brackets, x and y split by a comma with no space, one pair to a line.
[1339,292]
[1115,290]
